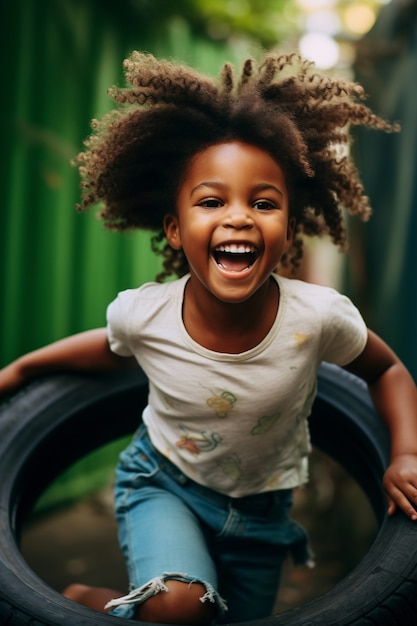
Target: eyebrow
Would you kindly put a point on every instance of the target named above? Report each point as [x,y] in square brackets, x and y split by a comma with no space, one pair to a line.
[217,185]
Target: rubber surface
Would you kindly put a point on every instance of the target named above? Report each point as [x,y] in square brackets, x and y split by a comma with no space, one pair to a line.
[55,421]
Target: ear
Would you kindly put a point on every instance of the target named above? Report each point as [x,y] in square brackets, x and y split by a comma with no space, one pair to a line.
[172,231]
[290,232]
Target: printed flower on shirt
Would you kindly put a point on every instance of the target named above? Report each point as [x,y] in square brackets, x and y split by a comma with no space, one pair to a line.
[202,442]
[231,467]
[301,338]
[222,403]
[265,423]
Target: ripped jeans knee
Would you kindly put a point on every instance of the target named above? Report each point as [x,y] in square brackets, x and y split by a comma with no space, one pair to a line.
[126,606]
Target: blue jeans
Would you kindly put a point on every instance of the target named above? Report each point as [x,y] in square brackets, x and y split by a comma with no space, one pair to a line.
[170,527]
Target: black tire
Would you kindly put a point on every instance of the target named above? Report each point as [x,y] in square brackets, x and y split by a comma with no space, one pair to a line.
[40,436]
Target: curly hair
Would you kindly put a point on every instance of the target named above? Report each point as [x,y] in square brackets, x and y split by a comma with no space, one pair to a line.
[136,158]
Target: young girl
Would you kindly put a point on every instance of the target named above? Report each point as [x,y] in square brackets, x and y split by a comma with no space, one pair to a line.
[231,175]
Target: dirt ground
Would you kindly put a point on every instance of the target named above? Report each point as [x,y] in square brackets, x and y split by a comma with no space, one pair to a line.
[78,543]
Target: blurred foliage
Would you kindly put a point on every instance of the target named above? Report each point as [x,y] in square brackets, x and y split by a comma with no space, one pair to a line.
[265,21]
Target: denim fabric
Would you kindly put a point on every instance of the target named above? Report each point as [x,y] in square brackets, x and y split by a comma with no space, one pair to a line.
[173,528]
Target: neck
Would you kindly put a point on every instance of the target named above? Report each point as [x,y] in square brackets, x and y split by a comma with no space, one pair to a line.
[230,327]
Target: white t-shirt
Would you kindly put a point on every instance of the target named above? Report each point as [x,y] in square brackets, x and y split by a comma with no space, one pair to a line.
[236,423]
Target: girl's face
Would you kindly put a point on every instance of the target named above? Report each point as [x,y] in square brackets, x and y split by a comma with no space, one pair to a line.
[232,219]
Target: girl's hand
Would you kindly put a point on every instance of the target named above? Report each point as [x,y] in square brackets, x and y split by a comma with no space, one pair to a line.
[394,394]
[400,484]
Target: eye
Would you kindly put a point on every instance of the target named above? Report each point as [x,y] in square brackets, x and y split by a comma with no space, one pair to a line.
[210,203]
[264,205]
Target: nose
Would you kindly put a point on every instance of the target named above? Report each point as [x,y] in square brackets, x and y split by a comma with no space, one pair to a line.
[238,215]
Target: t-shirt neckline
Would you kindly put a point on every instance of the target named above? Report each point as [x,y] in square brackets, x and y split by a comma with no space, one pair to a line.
[240,356]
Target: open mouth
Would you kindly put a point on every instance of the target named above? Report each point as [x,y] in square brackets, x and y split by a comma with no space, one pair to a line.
[235,257]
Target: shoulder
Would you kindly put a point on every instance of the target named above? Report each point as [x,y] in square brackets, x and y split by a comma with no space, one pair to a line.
[337,322]
[152,292]
[325,301]
[150,307]
[307,293]
[145,301]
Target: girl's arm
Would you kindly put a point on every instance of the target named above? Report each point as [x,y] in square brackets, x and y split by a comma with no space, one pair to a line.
[394,394]
[88,351]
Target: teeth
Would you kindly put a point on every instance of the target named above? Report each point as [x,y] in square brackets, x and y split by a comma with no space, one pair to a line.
[235,249]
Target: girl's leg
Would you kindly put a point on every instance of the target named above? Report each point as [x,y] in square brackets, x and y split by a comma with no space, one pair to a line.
[181,605]
[93,597]
[249,552]
[249,577]
[233,547]
[168,607]
[172,575]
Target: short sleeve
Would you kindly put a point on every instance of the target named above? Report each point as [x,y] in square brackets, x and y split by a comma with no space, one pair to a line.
[117,328]
[344,332]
